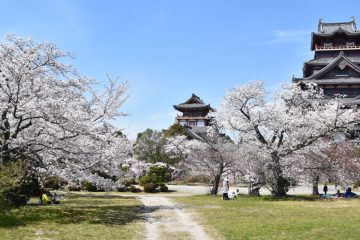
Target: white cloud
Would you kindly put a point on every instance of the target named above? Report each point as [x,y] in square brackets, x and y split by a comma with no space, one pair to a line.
[282,36]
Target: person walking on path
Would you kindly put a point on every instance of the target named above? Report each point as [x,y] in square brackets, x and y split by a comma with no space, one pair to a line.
[325,189]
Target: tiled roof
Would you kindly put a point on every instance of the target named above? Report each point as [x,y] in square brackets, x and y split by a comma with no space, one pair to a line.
[337,60]
[325,61]
[194,102]
[328,28]
[193,99]
[336,81]
[192,105]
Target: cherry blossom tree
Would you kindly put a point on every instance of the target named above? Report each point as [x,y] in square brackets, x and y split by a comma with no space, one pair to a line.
[275,128]
[330,160]
[55,119]
[214,155]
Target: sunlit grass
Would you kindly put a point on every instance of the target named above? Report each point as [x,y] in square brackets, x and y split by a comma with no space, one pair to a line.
[75,218]
[269,218]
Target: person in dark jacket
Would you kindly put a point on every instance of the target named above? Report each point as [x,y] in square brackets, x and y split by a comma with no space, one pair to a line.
[349,193]
[325,189]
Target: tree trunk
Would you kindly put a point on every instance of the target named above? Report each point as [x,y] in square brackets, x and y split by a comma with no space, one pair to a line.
[281,187]
[5,138]
[254,189]
[215,186]
[280,184]
[5,154]
[315,185]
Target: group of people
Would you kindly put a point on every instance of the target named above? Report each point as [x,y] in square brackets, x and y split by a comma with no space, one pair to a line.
[231,194]
[348,193]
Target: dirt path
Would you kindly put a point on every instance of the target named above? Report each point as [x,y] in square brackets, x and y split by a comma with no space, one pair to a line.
[167,220]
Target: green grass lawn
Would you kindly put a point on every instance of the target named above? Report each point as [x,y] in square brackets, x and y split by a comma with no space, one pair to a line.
[76,217]
[268,218]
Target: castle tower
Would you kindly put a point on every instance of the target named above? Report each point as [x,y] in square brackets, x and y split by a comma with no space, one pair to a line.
[194,113]
[336,64]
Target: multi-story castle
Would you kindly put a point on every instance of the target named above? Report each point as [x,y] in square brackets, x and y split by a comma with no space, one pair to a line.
[194,116]
[336,64]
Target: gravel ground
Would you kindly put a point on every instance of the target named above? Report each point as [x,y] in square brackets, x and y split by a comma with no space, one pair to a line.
[167,220]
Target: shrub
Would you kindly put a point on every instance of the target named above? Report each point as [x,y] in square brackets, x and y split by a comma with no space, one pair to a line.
[150,187]
[134,189]
[74,188]
[128,181]
[15,196]
[122,188]
[145,179]
[163,188]
[88,186]
[156,175]
[16,184]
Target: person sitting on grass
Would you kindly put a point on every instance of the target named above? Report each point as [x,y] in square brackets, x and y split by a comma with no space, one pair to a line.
[349,193]
[338,194]
[232,194]
[54,199]
[45,199]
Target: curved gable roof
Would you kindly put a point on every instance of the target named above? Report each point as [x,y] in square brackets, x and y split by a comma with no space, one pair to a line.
[193,99]
[334,63]
[327,28]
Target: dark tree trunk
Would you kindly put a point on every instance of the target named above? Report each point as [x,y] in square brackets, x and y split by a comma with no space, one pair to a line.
[254,189]
[215,186]
[280,185]
[315,185]
[5,154]
[5,138]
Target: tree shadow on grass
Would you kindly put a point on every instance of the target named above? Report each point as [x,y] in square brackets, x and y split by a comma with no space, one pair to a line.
[94,210]
[308,198]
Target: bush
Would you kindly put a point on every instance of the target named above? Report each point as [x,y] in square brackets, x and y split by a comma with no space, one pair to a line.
[128,181]
[134,189]
[88,186]
[145,179]
[16,184]
[163,188]
[150,187]
[15,196]
[122,188]
[156,175]
[74,188]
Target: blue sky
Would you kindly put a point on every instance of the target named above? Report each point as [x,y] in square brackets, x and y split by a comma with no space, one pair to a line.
[169,49]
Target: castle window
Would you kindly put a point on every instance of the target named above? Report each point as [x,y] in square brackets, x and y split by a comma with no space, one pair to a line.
[182,122]
[191,123]
[349,92]
[201,123]
[316,70]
